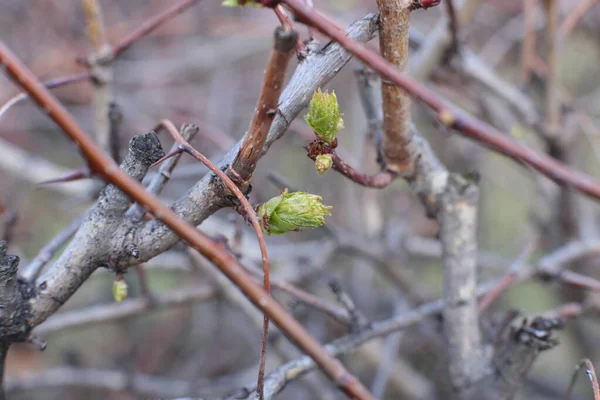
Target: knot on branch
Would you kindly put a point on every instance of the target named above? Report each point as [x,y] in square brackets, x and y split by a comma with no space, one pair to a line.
[537,334]
[14,294]
[146,148]
[515,356]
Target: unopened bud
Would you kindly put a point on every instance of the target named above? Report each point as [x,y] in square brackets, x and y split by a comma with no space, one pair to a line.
[119,289]
[292,212]
[323,162]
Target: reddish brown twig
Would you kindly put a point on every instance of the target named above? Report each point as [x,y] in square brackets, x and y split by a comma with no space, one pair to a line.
[249,213]
[82,173]
[591,373]
[508,279]
[573,18]
[458,120]
[151,24]
[377,181]
[266,106]
[104,166]
[243,166]
[50,84]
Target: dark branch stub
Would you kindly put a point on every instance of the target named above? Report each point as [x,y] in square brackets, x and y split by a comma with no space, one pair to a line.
[14,294]
[515,356]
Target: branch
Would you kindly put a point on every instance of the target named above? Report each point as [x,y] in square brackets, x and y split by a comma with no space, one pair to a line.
[108,380]
[4,346]
[553,106]
[188,131]
[150,25]
[458,224]
[438,42]
[279,378]
[266,106]
[100,64]
[450,115]
[102,313]
[528,49]
[245,162]
[47,252]
[452,27]
[514,359]
[248,213]
[103,165]
[378,181]
[36,169]
[207,196]
[50,84]
[393,42]
[573,18]
[591,373]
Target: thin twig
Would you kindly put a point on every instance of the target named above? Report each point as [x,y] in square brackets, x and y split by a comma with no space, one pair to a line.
[144,284]
[552,95]
[106,168]
[151,24]
[245,162]
[528,49]
[249,213]
[115,118]
[380,180]
[452,27]
[590,371]
[4,346]
[105,380]
[102,313]
[573,18]
[453,117]
[47,252]
[338,313]
[507,280]
[50,84]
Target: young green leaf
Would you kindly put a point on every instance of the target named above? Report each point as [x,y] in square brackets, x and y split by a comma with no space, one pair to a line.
[324,115]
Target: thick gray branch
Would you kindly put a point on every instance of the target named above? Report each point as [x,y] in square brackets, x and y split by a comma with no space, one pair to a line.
[91,246]
[458,220]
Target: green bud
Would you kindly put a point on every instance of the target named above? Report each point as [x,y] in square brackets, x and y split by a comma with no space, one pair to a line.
[240,3]
[119,289]
[324,115]
[292,212]
[323,162]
